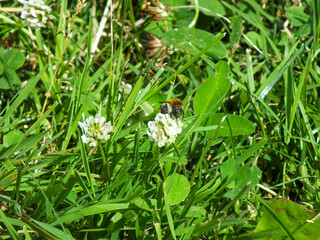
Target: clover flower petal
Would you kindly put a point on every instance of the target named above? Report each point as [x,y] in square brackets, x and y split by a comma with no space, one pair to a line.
[162,10]
[157,10]
[35,13]
[164,129]
[95,129]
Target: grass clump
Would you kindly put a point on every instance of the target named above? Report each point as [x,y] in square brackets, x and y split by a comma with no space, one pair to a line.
[85,153]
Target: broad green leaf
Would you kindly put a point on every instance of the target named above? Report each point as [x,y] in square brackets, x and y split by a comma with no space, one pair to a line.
[184,16]
[304,30]
[294,216]
[12,137]
[238,125]
[1,68]
[14,59]
[236,24]
[211,93]
[297,16]
[228,168]
[178,190]
[8,79]
[4,84]
[184,38]
[212,7]
[2,53]
[11,76]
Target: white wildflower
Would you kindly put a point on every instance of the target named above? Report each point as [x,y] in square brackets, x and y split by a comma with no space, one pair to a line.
[125,88]
[286,30]
[157,10]
[252,212]
[164,129]
[35,13]
[162,10]
[95,129]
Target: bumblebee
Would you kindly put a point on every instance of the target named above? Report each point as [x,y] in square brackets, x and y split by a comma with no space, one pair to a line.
[173,107]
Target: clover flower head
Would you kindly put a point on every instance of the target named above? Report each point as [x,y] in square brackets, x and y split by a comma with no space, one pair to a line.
[162,10]
[95,129]
[125,88]
[157,10]
[164,129]
[252,212]
[35,13]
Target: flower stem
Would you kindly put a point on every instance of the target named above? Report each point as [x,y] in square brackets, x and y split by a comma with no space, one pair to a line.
[178,162]
[105,167]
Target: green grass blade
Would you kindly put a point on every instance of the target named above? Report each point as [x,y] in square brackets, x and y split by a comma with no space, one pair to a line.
[13,233]
[184,67]
[32,128]
[81,212]
[169,217]
[302,82]
[277,73]
[127,108]
[21,97]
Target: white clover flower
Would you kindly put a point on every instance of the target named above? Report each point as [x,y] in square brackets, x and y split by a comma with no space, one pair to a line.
[157,10]
[35,13]
[125,88]
[164,129]
[252,212]
[95,129]
[162,10]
